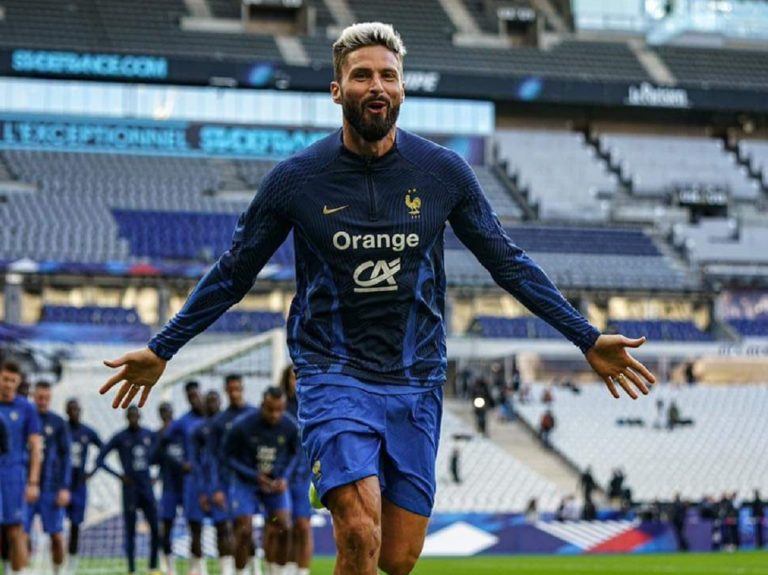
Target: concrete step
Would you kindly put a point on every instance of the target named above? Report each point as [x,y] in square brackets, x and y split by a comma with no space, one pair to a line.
[518,440]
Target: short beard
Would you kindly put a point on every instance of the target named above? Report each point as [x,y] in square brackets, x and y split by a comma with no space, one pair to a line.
[370,130]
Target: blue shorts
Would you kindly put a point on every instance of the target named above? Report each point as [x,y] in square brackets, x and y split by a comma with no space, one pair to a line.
[50,513]
[298,488]
[192,509]
[170,500]
[246,499]
[350,433]
[77,501]
[13,484]
[219,515]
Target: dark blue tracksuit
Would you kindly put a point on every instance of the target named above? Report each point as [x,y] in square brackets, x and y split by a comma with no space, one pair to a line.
[133,448]
[370,283]
[55,473]
[83,437]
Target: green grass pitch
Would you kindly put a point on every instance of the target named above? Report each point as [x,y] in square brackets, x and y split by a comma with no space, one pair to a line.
[742,563]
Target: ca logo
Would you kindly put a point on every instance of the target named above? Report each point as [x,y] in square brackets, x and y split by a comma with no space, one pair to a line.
[382,272]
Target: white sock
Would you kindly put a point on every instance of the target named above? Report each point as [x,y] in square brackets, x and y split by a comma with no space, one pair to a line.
[227,565]
[302,571]
[195,567]
[241,571]
[72,561]
[255,565]
[57,569]
[290,568]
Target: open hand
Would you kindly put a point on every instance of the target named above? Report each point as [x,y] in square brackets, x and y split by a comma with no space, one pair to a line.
[140,369]
[612,362]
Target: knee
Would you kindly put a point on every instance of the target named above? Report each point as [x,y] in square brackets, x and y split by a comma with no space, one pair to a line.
[400,564]
[243,532]
[279,525]
[358,537]
[301,529]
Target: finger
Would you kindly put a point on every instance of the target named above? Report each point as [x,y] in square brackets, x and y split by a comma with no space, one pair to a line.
[144,395]
[612,387]
[116,362]
[627,342]
[125,388]
[644,371]
[624,383]
[639,384]
[131,394]
[110,383]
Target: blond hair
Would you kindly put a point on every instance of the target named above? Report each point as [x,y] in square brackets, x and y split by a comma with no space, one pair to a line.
[365,34]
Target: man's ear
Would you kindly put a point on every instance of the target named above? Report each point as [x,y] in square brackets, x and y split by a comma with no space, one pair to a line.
[336,92]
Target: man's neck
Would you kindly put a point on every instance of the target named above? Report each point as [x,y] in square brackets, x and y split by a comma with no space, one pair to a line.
[355,143]
[7,398]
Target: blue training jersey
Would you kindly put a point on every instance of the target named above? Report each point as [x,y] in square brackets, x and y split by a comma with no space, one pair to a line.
[21,421]
[181,432]
[3,438]
[252,447]
[169,455]
[133,450]
[56,470]
[370,279]
[221,424]
[83,437]
[302,465]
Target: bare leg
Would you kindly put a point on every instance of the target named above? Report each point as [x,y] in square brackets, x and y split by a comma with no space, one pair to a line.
[402,538]
[356,510]
[302,542]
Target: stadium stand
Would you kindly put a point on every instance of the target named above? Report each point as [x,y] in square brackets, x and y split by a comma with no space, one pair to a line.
[492,480]
[721,68]
[560,172]
[512,327]
[148,26]
[696,460]
[756,152]
[110,316]
[580,257]
[138,207]
[657,164]
[750,327]
[251,322]
[498,195]
[722,240]
[659,330]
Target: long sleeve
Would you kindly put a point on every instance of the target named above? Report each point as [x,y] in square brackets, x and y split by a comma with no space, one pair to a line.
[65,446]
[213,445]
[293,454]
[101,459]
[478,228]
[97,442]
[231,451]
[261,229]
[200,458]
[3,438]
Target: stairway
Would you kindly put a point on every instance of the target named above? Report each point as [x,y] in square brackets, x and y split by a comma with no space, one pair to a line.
[519,441]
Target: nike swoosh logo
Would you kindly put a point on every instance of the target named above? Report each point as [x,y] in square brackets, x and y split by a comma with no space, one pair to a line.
[327,210]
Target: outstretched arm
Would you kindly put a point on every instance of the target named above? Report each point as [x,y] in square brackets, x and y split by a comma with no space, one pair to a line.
[259,232]
[477,226]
